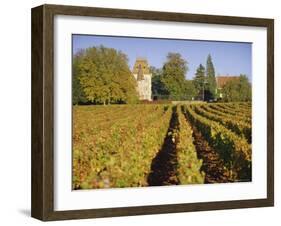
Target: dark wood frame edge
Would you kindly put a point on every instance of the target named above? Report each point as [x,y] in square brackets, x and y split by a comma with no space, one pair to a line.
[42,201]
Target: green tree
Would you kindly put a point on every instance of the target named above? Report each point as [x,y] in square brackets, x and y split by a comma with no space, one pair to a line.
[199,81]
[78,95]
[237,90]
[158,88]
[105,76]
[174,70]
[190,91]
[245,88]
[211,85]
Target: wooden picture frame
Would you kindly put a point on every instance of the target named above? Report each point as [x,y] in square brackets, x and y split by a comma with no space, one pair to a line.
[42,203]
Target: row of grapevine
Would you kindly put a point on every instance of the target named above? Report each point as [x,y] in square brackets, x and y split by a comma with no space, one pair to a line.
[114,146]
[237,118]
[121,154]
[232,109]
[90,129]
[241,128]
[101,119]
[233,149]
[238,105]
[188,163]
[245,105]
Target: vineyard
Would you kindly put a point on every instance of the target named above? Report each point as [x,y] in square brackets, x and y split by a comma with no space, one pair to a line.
[161,144]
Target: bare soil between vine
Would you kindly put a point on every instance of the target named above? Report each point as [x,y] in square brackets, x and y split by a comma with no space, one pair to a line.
[164,165]
[213,165]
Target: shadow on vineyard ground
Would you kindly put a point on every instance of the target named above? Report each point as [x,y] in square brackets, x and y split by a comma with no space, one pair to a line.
[164,165]
[212,165]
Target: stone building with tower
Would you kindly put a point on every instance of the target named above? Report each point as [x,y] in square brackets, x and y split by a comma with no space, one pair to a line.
[142,74]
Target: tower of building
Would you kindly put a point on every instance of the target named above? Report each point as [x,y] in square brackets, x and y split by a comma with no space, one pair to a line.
[143,76]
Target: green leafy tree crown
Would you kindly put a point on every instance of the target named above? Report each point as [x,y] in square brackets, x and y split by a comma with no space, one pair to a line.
[104,76]
[173,78]
[237,90]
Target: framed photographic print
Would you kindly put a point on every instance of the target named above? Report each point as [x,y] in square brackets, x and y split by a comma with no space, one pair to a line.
[141,112]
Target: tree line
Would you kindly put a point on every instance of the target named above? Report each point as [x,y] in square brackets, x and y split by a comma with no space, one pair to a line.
[102,75]
[170,82]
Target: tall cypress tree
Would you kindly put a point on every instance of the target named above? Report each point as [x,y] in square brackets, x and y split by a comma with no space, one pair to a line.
[211,84]
[199,81]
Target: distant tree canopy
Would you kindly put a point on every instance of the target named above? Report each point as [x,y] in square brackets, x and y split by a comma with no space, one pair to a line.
[169,82]
[199,80]
[102,76]
[158,88]
[173,76]
[189,90]
[78,95]
[237,90]
[205,80]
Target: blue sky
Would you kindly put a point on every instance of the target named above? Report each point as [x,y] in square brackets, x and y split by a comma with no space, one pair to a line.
[229,58]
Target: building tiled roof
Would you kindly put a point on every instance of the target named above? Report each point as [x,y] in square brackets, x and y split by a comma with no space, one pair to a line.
[222,80]
[141,64]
